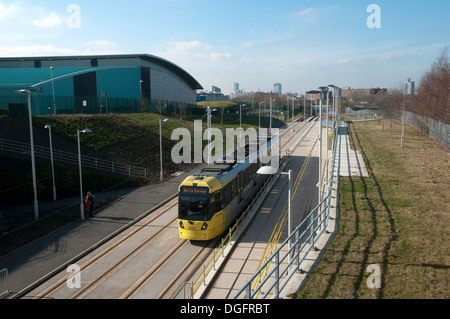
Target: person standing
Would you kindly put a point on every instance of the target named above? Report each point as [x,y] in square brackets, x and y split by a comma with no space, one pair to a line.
[90,203]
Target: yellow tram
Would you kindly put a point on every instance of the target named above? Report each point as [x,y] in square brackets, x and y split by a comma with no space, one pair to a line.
[211,200]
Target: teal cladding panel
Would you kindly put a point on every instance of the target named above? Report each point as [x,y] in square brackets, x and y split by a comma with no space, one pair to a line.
[119,82]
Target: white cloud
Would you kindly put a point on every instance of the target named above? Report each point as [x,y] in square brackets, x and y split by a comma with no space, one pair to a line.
[8,11]
[194,51]
[50,21]
[51,50]
[191,46]
[343,61]
[303,13]
[22,14]
[35,50]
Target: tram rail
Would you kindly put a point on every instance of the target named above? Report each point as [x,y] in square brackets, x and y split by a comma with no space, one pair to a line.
[187,271]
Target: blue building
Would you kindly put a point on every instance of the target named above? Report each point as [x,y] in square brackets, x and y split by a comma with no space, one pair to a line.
[96,84]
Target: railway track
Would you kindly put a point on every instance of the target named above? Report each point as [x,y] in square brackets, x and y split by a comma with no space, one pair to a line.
[148,260]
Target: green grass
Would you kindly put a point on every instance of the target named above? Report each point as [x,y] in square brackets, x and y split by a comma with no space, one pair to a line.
[396,218]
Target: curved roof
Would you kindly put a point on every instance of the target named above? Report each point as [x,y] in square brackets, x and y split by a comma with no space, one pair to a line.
[147,57]
[174,68]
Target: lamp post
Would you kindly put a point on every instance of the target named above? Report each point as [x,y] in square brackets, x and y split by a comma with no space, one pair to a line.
[259,125]
[49,128]
[293,114]
[160,147]
[86,131]
[240,122]
[33,165]
[140,93]
[269,170]
[320,141]
[53,90]
[335,88]
[270,114]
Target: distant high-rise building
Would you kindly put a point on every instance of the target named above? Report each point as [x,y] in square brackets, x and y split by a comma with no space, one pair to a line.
[410,87]
[216,90]
[236,87]
[277,88]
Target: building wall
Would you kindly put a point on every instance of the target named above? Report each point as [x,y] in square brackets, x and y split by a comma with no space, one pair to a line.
[162,82]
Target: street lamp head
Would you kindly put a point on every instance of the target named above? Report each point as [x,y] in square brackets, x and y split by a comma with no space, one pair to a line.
[47,127]
[167,120]
[86,131]
[23,91]
[267,170]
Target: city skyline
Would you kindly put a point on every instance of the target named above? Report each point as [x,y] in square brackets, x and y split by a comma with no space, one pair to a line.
[299,44]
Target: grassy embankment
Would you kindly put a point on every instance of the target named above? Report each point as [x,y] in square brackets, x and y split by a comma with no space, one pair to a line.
[128,138]
[397,218]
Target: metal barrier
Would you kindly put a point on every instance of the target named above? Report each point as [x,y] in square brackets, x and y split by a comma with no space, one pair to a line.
[276,235]
[72,159]
[4,286]
[305,236]
[220,253]
[184,292]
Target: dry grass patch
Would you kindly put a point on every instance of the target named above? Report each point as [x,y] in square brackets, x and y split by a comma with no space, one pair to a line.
[398,218]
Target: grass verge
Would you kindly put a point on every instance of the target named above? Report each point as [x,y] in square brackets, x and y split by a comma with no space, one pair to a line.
[397,218]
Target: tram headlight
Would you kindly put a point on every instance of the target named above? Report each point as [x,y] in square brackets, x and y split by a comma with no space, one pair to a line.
[181,224]
[205,226]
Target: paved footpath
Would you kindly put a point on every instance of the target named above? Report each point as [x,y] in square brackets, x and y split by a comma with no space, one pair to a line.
[247,255]
[56,250]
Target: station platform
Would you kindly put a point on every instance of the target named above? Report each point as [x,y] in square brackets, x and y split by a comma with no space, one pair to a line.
[249,253]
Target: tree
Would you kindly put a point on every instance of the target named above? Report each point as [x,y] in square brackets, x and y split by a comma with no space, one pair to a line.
[433,99]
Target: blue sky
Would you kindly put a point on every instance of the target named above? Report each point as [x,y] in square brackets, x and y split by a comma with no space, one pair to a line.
[302,44]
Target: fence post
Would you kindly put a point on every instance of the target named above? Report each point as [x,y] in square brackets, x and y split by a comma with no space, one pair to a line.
[248,291]
[277,274]
[311,225]
[297,248]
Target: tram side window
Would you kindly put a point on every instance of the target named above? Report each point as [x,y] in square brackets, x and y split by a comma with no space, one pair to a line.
[244,177]
[218,201]
[212,207]
[234,188]
[226,198]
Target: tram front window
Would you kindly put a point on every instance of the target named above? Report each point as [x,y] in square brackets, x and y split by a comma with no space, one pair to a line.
[193,203]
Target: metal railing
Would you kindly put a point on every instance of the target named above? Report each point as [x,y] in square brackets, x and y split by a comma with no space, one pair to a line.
[218,253]
[279,268]
[4,286]
[72,159]
[276,235]
[184,292]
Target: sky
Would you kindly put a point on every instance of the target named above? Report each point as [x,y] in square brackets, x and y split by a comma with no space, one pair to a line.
[302,44]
